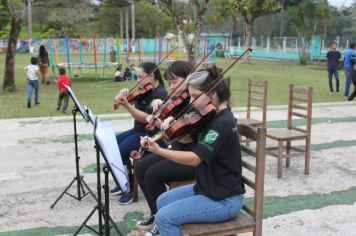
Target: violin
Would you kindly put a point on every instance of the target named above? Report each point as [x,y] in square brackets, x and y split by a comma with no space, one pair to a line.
[168,108]
[202,114]
[172,101]
[134,95]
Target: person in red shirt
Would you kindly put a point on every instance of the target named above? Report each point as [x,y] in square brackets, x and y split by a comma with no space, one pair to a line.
[63,94]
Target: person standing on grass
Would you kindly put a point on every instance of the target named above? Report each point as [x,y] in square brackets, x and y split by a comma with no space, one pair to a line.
[112,55]
[32,74]
[63,81]
[349,61]
[43,63]
[333,57]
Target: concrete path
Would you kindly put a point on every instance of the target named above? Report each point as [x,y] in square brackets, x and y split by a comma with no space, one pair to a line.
[38,162]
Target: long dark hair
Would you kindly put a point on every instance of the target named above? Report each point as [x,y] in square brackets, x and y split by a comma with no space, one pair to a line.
[178,68]
[42,52]
[148,67]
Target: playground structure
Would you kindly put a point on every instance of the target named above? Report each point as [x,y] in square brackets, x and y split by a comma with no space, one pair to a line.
[94,53]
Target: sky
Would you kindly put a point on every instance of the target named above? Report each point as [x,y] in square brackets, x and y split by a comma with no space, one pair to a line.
[339,3]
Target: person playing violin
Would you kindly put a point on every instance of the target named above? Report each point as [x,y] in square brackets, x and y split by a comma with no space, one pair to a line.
[218,192]
[154,171]
[130,139]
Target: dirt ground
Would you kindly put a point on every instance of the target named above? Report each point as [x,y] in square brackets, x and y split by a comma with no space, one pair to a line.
[38,162]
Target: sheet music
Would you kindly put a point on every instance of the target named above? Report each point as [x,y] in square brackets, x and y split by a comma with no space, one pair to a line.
[106,138]
[77,103]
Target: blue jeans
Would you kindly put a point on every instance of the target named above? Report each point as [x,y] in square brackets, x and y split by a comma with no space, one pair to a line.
[348,73]
[334,72]
[181,205]
[32,85]
[128,141]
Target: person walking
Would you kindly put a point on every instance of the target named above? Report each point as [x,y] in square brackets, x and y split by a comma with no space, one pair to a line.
[349,61]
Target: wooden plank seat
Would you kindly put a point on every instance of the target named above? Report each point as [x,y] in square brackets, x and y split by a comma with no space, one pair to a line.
[250,122]
[239,224]
[285,134]
[250,219]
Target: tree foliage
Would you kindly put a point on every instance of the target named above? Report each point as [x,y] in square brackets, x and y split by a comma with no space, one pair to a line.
[189,19]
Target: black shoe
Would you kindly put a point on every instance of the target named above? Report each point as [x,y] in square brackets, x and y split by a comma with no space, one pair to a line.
[28,105]
[116,191]
[146,223]
[37,103]
[152,232]
[350,98]
[57,108]
[47,82]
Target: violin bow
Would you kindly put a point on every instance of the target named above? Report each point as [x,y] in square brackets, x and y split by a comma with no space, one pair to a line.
[155,68]
[170,95]
[243,56]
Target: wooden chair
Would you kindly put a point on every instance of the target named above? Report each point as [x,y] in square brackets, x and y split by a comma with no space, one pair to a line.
[250,219]
[256,97]
[171,185]
[299,105]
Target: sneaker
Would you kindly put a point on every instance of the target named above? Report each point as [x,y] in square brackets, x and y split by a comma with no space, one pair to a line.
[152,232]
[57,108]
[337,92]
[126,198]
[146,223]
[116,191]
[28,105]
[37,103]
[331,92]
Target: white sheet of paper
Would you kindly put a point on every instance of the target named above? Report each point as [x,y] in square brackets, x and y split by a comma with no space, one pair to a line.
[106,138]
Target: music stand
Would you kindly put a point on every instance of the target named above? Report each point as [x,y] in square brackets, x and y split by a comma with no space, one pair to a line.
[78,178]
[105,143]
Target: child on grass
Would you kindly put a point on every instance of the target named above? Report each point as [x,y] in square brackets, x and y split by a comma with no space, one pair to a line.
[63,81]
[32,74]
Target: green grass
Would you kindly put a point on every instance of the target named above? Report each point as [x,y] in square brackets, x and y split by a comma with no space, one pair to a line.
[99,94]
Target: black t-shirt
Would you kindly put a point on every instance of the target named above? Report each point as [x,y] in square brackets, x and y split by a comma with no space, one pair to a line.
[219,173]
[144,104]
[333,59]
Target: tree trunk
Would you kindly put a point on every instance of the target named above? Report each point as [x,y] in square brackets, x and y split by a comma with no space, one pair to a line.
[233,29]
[248,40]
[9,77]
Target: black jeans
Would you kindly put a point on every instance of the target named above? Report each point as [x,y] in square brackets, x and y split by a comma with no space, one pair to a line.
[354,82]
[334,72]
[153,171]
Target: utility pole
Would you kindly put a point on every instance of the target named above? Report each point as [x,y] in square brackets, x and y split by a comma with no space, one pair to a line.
[133,19]
[30,26]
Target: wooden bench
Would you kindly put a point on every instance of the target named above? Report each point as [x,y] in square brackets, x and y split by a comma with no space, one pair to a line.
[250,219]
[299,105]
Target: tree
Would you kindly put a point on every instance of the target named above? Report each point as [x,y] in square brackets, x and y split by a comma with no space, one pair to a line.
[251,9]
[17,11]
[188,17]
[305,18]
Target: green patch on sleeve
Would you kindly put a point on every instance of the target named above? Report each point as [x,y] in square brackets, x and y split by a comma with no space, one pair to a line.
[210,138]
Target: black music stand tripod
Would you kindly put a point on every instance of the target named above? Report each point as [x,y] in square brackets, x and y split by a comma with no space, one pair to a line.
[103,209]
[78,178]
